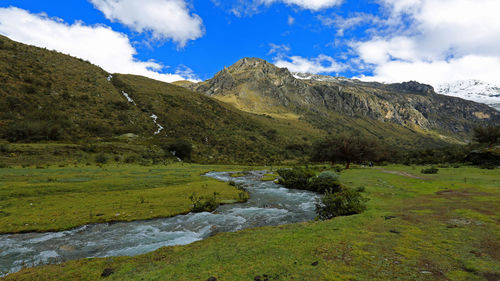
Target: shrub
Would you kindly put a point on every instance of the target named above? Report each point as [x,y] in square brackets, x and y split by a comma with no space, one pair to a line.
[101,158]
[131,159]
[361,188]
[181,149]
[489,166]
[296,178]
[4,147]
[325,181]
[344,203]
[204,204]
[432,170]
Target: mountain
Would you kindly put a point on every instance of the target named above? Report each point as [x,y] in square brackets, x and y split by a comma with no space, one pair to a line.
[254,85]
[473,90]
[251,112]
[47,96]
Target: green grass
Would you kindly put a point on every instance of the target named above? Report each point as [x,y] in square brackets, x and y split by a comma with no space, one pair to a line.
[431,227]
[59,198]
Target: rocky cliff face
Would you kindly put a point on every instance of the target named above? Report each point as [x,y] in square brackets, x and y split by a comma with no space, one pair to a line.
[255,85]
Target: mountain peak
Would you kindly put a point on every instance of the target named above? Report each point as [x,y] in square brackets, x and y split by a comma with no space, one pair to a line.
[250,63]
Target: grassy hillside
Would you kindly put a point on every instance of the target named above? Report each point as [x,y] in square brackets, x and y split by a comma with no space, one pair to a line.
[50,97]
[417,227]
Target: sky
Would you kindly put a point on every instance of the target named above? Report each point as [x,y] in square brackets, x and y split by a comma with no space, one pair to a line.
[430,41]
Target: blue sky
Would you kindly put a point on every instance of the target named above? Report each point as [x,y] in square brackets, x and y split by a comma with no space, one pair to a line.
[432,41]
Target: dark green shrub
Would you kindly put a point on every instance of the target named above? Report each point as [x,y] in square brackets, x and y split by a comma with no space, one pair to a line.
[181,149]
[488,166]
[101,158]
[325,181]
[204,204]
[4,147]
[361,188]
[131,159]
[344,203]
[432,170]
[296,178]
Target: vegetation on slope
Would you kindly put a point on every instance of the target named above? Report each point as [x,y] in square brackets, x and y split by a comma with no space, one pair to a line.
[51,97]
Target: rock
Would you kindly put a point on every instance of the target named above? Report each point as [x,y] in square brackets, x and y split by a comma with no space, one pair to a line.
[394,231]
[107,272]
[315,263]
[389,217]
[212,279]
[257,278]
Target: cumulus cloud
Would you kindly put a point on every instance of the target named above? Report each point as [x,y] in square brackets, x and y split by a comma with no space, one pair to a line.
[320,64]
[164,19]
[99,44]
[437,41]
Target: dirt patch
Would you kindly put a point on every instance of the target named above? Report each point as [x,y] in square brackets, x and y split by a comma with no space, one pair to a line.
[460,193]
[404,174]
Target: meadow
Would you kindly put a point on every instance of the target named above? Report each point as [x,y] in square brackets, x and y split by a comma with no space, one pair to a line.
[53,198]
[440,226]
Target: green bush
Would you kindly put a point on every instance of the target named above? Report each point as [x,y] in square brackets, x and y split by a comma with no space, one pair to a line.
[4,147]
[181,149]
[325,181]
[101,158]
[432,170]
[296,178]
[361,188]
[488,166]
[344,203]
[204,204]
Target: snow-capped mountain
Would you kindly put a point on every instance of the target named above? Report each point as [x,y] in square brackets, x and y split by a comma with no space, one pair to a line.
[473,90]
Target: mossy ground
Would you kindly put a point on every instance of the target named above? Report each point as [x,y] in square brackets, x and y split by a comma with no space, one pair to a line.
[434,227]
[59,198]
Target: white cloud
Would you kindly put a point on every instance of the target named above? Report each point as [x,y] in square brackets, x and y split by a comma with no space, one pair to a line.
[291,20]
[165,19]
[241,8]
[320,64]
[437,41]
[343,24]
[314,5]
[278,50]
[99,44]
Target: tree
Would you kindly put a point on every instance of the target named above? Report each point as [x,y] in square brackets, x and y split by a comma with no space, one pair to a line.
[345,148]
[181,149]
[489,134]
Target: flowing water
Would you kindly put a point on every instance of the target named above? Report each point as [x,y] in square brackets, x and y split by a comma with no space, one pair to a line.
[269,204]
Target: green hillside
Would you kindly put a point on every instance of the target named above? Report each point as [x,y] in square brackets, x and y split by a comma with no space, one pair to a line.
[50,97]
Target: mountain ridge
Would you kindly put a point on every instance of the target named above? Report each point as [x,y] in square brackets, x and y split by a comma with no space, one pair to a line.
[410,104]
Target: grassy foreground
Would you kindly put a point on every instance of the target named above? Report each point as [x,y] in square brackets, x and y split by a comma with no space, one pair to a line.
[417,227]
[60,198]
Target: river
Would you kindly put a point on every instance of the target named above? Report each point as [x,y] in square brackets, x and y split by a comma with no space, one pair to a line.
[269,204]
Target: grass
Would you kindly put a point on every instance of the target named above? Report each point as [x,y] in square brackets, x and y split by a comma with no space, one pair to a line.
[57,198]
[428,227]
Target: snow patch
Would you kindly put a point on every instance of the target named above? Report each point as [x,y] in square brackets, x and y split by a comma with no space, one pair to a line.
[109,78]
[473,90]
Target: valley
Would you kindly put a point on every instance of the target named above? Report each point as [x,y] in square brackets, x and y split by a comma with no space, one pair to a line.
[258,173]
